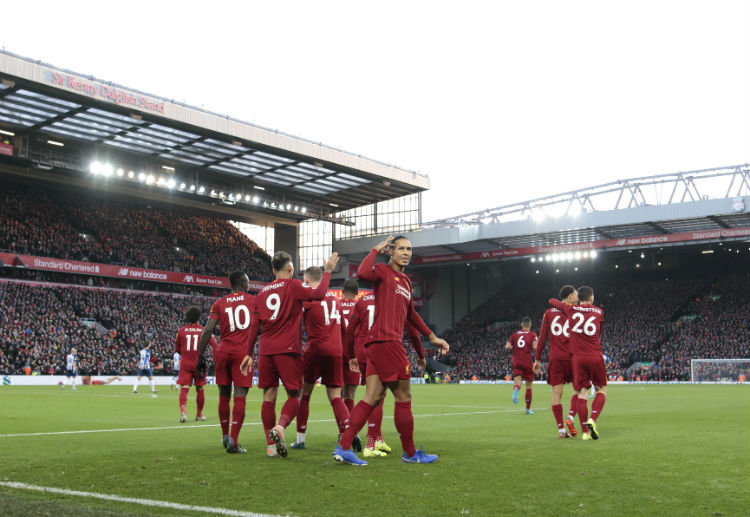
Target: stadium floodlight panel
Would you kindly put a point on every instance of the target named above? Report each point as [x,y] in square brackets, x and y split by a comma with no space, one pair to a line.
[150,179]
[247,197]
[593,253]
[192,188]
[120,172]
[171,183]
[578,255]
[256,199]
[533,259]
[304,211]
[182,186]
[107,170]
[201,190]
[141,177]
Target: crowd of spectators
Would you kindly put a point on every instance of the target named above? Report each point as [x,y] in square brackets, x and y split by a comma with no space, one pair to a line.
[60,225]
[662,320]
[40,324]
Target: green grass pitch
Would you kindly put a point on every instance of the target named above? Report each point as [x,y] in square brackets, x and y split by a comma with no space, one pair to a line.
[665,450]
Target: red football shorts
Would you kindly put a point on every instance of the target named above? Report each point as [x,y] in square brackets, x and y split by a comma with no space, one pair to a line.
[559,371]
[588,369]
[188,377]
[228,371]
[287,367]
[350,377]
[328,368]
[524,370]
[388,360]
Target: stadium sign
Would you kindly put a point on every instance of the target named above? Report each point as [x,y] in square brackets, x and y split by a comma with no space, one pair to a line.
[108,270]
[104,92]
[629,242]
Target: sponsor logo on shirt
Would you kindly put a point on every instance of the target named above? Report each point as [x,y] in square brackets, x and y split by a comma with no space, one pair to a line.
[403,291]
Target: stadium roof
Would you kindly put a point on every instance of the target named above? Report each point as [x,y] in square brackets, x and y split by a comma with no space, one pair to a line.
[128,128]
[664,210]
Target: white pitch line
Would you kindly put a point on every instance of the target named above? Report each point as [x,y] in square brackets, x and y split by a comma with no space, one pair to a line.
[197,426]
[134,500]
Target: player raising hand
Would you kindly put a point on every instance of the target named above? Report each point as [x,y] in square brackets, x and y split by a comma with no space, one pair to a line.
[278,320]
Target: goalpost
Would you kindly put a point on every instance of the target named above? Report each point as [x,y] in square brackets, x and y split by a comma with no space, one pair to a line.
[720,370]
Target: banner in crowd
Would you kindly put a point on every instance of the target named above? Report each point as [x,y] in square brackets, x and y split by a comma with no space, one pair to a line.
[628,242]
[124,272]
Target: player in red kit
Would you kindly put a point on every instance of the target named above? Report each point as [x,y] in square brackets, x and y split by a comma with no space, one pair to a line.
[278,321]
[522,342]
[186,345]
[233,314]
[387,362]
[351,379]
[585,320]
[323,357]
[555,324]
[360,324]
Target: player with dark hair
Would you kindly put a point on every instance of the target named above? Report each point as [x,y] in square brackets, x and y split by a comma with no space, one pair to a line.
[521,342]
[323,356]
[351,378]
[277,319]
[186,344]
[360,323]
[388,364]
[233,315]
[588,361]
[560,367]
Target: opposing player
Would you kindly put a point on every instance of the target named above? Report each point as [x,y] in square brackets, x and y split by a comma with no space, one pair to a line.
[351,379]
[588,361]
[278,317]
[388,364]
[233,315]
[555,324]
[521,342]
[144,369]
[71,368]
[323,356]
[175,370]
[186,347]
[99,382]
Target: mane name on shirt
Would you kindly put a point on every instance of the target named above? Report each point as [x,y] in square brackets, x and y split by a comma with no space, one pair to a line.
[239,298]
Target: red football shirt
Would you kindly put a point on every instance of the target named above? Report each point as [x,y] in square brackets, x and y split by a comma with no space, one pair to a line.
[278,307]
[522,342]
[554,323]
[323,326]
[186,345]
[585,327]
[393,303]
[233,312]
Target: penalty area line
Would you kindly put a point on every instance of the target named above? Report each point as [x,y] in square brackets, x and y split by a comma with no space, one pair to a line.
[133,500]
[199,426]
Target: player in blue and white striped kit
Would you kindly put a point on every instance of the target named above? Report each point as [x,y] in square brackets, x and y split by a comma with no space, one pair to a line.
[71,368]
[175,370]
[144,368]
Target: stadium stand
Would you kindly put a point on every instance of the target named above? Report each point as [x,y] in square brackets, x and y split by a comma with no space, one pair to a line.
[664,319]
[53,224]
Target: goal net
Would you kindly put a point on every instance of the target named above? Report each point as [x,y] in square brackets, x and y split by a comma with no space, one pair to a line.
[720,370]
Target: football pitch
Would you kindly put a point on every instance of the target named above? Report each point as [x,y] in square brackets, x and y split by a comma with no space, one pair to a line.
[665,450]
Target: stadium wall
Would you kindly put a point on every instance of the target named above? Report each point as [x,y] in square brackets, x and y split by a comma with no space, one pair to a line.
[458,290]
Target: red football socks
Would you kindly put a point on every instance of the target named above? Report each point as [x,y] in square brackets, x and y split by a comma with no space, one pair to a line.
[200,401]
[597,405]
[268,417]
[583,413]
[357,420]
[374,422]
[528,398]
[404,421]
[238,417]
[224,415]
[558,412]
[339,412]
[573,406]
[183,399]
[303,414]
[289,411]
[349,405]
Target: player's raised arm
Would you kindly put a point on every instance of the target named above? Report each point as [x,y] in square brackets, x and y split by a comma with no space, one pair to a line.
[366,269]
[557,304]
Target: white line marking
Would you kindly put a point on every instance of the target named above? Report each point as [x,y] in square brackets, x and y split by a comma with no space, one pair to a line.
[197,426]
[133,500]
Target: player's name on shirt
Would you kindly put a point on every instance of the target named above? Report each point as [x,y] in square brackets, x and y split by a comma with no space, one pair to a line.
[277,285]
[238,298]
[588,308]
